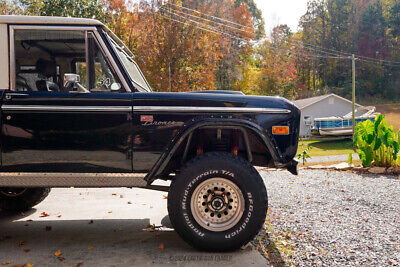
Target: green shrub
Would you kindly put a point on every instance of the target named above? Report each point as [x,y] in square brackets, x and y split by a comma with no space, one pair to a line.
[303,156]
[377,142]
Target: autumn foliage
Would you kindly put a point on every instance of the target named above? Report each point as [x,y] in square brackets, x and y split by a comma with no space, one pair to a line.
[191,45]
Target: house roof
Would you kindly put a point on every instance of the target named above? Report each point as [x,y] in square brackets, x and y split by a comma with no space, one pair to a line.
[303,103]
[11,19]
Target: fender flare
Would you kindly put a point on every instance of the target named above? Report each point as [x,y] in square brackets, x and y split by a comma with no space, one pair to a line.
[186,129]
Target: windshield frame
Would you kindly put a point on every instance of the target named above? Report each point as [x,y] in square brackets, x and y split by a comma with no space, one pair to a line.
[116,43]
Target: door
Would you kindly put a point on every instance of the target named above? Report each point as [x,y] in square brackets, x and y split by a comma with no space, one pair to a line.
[53,126]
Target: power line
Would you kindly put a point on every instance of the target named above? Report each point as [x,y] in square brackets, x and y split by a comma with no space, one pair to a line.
[216,31]
[210,16]
[219,23]
[333,53]
[325,54]
[205,29]
[359,57]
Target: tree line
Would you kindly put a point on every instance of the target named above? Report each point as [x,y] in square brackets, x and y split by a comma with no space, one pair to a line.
[186,45]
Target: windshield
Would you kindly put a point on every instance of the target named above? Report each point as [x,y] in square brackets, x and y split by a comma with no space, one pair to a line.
[131,67]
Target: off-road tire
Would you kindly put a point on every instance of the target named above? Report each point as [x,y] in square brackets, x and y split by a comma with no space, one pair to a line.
[209,166]
[23,201]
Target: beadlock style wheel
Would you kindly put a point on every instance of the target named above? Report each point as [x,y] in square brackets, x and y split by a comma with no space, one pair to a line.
[217,204]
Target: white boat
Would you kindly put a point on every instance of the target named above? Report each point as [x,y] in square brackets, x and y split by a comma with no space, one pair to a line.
[341,126]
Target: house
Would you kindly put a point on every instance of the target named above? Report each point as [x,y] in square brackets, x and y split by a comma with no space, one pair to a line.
[322,106]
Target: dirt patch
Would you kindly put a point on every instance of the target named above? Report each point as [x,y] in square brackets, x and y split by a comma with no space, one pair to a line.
[392,114]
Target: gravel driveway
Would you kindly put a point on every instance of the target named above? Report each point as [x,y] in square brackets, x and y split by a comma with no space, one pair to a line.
[331,218]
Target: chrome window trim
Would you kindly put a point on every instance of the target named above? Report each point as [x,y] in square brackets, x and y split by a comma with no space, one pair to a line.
[209,109]
[66,108]
[142,89]
[93,29]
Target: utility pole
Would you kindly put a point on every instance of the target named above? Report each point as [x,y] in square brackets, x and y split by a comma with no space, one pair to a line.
[169,76]
[353,63]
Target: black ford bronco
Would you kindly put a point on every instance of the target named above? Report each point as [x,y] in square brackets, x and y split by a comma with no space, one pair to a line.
[76,111]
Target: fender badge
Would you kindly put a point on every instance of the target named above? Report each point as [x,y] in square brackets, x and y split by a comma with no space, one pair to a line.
[146,118]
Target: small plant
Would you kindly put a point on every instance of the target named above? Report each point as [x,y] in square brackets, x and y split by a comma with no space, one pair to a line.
[303,156]
[377,142]
[350,159]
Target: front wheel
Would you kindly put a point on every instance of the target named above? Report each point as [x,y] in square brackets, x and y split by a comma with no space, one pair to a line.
[218,202]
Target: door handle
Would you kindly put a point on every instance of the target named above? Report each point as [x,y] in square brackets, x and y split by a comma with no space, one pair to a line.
[9,96]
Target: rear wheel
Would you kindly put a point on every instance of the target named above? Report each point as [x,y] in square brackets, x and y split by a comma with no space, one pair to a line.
[218,202]
[21,199]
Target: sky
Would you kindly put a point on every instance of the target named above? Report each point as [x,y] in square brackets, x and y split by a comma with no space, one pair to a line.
[281,12]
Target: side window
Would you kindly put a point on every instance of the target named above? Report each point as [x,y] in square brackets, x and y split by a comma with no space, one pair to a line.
[102,78]
[42,57]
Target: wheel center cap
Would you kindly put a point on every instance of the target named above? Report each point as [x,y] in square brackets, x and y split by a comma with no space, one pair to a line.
[217,203]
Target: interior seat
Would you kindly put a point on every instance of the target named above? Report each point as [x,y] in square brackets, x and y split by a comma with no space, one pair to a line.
[20,82]
[46,69]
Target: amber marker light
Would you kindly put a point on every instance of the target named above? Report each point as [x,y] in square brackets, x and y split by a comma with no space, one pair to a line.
[280,130]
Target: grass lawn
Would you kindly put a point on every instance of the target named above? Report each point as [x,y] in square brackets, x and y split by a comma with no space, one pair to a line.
[327,148]
[344,146]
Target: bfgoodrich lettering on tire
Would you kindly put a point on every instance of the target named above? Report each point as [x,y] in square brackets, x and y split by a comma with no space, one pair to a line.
[218,202]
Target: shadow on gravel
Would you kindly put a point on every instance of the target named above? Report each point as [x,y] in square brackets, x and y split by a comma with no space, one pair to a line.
[273,254]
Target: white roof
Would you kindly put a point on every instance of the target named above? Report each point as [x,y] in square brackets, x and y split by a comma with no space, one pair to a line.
[11,19]
[303,103]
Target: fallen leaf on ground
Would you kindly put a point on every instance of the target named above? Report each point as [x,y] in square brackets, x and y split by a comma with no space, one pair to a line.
[19,265]
[48,228]
[60,258]
[6,262]
[294,196]
[291,182]
[27,250]
[21,243]
[29,265]
[348,199]
[110,211]
[59,216]
[308,197]
[151,228]
[91,247]
[165,197]
[129,202]
[79,264]
[57,253]
[161,246]
[113,194]
[44,214]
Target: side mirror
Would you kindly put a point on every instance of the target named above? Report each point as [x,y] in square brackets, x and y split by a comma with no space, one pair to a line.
[72,80]
[115,87]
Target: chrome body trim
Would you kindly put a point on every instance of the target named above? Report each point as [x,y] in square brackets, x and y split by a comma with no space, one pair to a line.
[209,109]
[7,107]
[66,108]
